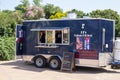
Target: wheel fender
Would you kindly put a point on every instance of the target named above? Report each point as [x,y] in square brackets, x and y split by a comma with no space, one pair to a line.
[59,57]
[38,56]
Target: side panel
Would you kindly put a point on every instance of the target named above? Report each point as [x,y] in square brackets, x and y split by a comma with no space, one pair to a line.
[19,40]
[109,36]
[77,27]
[103,36]
[87,43]
[92,27]
[31,38]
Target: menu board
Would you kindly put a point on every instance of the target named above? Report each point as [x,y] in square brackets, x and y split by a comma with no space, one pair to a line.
[67,61]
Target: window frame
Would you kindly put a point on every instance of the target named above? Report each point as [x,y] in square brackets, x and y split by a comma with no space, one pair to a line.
[53,36]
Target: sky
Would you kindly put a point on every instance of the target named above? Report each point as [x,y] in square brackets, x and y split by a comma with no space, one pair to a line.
[83,5]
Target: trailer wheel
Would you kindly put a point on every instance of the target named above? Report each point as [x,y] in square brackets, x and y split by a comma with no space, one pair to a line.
[55,63]
[40,62]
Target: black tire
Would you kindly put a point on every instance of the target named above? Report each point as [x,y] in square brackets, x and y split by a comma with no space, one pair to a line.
[113,66]
[55,63]
[40,62]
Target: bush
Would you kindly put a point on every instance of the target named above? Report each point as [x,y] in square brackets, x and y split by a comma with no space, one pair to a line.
[7,48]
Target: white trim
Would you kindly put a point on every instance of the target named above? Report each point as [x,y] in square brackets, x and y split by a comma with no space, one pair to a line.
[69,19]
[54,43]
[28,57]
[46,46]
[46,29]
[87,62]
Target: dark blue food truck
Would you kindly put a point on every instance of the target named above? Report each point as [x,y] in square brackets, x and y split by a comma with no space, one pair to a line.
[44,41]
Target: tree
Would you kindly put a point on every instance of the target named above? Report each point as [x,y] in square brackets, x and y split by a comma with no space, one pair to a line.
[58,15]
[117,29]
[7,39]
[79,13]
[34,12]
[22,7]
[7,48]
[18,17]
[109,14]
[37,2]
[50,9]
[96,14]
[7,23]
[26,11]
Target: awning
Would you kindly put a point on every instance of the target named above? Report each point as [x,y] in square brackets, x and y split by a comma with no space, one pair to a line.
[48,28]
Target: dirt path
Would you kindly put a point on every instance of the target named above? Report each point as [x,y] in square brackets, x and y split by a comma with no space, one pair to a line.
[18,70]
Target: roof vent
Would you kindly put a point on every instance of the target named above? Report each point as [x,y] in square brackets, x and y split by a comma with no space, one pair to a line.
[71,15]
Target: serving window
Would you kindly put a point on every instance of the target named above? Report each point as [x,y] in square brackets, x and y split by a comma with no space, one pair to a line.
[54,36]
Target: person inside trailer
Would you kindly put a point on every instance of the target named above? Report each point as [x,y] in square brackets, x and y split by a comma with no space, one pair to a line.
[42,36]
[58,37]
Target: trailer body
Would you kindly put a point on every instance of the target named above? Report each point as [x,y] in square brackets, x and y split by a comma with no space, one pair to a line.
[91,40]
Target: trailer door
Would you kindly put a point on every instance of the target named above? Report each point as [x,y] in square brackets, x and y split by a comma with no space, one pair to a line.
[19,41]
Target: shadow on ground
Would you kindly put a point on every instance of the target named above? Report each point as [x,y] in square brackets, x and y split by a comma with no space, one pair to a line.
[19,64]
[94,70]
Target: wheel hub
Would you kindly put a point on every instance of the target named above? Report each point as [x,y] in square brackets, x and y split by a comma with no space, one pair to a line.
[54,63]
[39,62]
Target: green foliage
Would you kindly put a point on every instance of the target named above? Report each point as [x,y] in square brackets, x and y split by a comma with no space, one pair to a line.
[37,2]
[79,13]
[7,48]
[22,7]
[50,9]
[7,31]
[18,17]
[7,23]
[25,3]
[109,14]
[58,15]
[117,30]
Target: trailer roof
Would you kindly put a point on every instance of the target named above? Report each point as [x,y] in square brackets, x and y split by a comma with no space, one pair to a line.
[42,19]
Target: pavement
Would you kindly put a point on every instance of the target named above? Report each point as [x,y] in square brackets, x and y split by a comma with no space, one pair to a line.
[18,70]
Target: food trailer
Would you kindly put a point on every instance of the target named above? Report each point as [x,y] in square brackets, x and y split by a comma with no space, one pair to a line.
[44,41]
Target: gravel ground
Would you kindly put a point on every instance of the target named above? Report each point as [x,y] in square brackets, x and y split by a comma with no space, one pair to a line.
[18,70]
